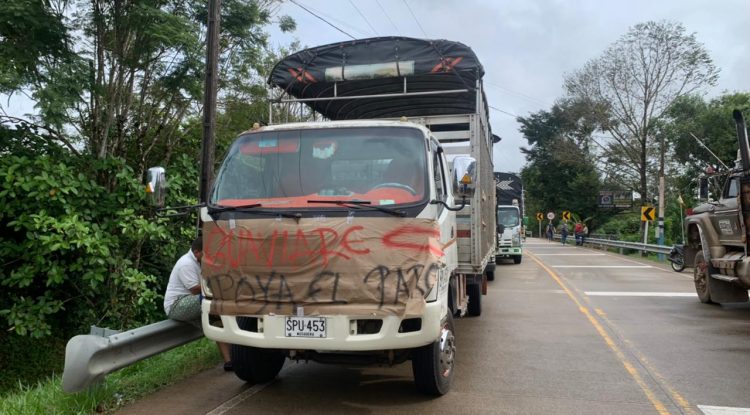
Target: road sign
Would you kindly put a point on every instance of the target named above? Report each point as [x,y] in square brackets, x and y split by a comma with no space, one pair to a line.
[539,216]
[550,215]
[648,213]
[566,215]
[609,199]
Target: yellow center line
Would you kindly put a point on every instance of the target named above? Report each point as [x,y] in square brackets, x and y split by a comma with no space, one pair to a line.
[677,398]
[632,371]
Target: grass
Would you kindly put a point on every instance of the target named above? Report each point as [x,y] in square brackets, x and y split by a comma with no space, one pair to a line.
[118,389]
[25,360]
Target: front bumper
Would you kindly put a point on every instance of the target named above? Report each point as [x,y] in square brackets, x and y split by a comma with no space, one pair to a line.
[507,251]
[340,333]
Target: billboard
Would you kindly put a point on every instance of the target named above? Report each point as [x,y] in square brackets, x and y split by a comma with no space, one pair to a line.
[615,199]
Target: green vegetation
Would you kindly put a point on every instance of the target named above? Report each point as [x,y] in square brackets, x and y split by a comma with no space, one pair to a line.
[118,389]
[622,124]
[118,87]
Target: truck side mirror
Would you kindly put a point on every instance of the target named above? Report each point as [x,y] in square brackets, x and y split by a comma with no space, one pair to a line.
[500,228]
[464,176]
[156,186]
[703,189]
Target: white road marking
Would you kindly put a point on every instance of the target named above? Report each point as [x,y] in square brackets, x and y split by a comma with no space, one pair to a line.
[569,254]
[602,266]
[231,403]
[228,405]
[723,410]
[637,294]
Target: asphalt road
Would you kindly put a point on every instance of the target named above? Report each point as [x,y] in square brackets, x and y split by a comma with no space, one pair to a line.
[568,331]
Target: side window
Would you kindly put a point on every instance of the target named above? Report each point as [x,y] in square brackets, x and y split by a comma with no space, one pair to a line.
[441,192]
[733,188]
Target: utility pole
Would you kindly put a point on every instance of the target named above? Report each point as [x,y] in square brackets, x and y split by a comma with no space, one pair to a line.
[209,98]
[660,238]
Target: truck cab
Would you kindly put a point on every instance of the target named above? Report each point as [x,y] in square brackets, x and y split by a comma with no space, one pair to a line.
[717,231]
[509,237]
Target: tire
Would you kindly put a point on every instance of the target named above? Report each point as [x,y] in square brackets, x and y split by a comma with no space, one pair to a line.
[677,267]
[490,272]
[475,299]
[433,364]
[253,364]
[517,259]
[700,278]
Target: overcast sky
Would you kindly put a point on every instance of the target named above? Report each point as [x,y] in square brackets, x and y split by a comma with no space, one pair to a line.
[527,46]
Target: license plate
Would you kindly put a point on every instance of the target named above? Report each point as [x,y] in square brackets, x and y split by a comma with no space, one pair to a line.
[305,327]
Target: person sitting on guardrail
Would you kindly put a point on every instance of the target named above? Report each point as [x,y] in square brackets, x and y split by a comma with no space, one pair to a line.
[577,230]
[182,301]
[584,233]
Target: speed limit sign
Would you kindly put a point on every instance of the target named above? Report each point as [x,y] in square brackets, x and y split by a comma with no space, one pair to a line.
[550,215]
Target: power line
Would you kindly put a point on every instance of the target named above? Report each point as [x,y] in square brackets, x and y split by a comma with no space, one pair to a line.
[387,16]
[502,111]
[329,23]
[415,18]
[363,17]
[528,97]
[341,23]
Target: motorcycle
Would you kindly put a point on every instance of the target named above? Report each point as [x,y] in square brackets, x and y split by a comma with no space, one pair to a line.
[677,258]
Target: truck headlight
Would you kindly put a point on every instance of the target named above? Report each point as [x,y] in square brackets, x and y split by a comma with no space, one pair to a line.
[516,239]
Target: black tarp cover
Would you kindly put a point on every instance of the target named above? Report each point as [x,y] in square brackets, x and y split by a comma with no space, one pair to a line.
[428,65]
[508,187]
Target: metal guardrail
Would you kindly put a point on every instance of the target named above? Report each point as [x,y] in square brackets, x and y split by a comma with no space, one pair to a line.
[637,246]
[89,358]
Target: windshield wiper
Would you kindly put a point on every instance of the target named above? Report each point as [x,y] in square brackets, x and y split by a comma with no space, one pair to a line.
[222,208]
[252,207]
[359,204]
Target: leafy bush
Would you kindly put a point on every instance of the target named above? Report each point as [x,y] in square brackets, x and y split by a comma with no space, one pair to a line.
[71,246]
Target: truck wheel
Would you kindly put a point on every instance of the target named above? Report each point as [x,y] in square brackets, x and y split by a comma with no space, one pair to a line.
[490,272]
[432,364]
[517,259]
[253,364]
[475,299]
[256,365]
[700,278]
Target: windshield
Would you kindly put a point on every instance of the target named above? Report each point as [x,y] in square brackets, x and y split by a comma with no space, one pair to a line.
[508,217]
[286,169]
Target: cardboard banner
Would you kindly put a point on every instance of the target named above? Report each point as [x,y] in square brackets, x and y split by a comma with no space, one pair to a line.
[346,265]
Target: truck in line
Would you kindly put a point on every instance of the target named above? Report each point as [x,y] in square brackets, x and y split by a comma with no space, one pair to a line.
[510,214]
[351,239]
[717,231]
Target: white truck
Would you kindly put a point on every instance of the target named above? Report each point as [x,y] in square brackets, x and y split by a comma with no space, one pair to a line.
[336,240]
[510,214]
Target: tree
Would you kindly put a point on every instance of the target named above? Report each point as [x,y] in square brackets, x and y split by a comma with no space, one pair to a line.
[79,245]
[633,84]
[560,174]
[711,122]
[135,73]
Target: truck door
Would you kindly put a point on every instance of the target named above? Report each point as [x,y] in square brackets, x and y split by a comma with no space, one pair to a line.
[727,220]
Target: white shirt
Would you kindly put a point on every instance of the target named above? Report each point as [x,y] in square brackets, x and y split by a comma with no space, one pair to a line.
[185,275]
